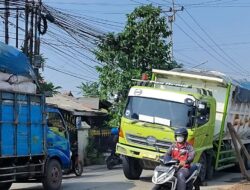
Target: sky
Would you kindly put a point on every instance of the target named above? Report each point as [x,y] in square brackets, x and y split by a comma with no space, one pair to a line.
[207,35]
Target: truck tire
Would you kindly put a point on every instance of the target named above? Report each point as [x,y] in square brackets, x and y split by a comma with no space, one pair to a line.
[53,175]
[203,171]
[210,170]
[246,161]
[131,168]
[158,187]
[5,186]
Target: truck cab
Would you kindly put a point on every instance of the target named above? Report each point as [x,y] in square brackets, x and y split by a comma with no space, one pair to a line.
[58,145]
[58,149]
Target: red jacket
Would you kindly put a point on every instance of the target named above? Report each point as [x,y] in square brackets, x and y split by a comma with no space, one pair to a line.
[182,152]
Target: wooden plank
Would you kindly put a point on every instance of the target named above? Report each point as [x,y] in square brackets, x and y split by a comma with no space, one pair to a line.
[238,153]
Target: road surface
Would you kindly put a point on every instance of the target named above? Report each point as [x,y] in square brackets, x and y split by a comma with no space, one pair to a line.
[99,178]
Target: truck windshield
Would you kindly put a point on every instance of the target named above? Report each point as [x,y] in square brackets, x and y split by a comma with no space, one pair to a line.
[164,112]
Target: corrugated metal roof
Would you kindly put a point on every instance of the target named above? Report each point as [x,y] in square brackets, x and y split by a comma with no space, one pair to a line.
[72,104]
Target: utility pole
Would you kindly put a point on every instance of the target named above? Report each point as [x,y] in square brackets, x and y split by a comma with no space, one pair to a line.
[6,18]
[171,18]
[26,27]
[17,26]
[31,32]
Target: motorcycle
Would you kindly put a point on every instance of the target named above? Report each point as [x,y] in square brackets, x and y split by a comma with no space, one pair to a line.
[76,165]
[113,160]
[165,175]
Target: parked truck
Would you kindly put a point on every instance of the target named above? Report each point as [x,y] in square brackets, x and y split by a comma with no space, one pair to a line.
[203,102]
[34,142]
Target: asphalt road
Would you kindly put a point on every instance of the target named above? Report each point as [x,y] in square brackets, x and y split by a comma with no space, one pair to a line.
[99,178]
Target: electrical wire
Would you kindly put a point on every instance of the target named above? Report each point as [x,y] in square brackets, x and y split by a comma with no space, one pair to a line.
[211,48]
[201,46]
[69,74]
[234,62]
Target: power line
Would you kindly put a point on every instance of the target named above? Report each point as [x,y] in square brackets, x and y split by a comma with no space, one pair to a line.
[203,40]
[240,43]
[76,74]
[90,4]
[200,45]
[206,33]
[199,64]
[171,19]
[63,54]
[188,57]
[60,71]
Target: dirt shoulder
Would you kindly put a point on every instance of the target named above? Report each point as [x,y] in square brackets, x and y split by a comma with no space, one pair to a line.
[245,185]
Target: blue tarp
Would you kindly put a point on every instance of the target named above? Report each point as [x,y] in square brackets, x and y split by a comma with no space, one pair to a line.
[13,61]
[242,94]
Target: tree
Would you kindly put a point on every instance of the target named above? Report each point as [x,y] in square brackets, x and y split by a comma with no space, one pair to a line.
[47,87]
[90,89]
[141,46]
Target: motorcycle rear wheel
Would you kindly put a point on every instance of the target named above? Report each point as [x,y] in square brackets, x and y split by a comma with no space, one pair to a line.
[78,168]
[110,163]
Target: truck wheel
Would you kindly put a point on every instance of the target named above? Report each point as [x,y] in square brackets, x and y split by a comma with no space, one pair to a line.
[203,171]
[53,176]
[5,186]
[131,168]
[210,170]
[246,161]
[158,187]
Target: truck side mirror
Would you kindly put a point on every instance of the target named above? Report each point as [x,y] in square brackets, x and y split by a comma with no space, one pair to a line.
[189,102]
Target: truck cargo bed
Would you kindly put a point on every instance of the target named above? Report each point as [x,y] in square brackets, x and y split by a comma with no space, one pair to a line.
[22,130]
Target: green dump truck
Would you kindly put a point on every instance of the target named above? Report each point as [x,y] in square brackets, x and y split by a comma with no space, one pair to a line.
[203,102]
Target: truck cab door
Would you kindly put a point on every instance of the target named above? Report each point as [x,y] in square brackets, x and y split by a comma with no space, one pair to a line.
[203,132]
[57,137]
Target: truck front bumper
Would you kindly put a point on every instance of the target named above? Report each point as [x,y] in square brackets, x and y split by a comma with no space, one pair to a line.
[139,153]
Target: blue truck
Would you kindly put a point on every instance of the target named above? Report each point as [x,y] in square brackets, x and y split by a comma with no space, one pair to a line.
[34,141]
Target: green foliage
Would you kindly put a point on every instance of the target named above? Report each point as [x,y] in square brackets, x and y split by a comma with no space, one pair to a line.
[48,87]
[90,89]
[93,155]
[141,46]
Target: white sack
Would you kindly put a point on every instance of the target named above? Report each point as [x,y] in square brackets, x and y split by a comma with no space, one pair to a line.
[4,76]
[16,79]
[25,87]
[5,86]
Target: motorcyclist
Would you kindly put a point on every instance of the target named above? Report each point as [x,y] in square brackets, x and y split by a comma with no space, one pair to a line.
[113,139]
[183,151]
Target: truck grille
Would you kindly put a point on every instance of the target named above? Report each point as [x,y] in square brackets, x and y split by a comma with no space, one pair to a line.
[143,141]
